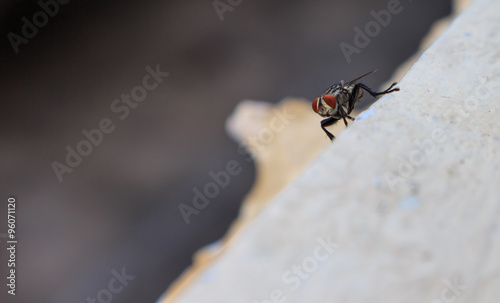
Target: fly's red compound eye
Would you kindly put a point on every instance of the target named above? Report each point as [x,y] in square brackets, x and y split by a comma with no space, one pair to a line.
[315,105]
[330,100]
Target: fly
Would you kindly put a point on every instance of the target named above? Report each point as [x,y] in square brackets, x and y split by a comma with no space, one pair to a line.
[338,101]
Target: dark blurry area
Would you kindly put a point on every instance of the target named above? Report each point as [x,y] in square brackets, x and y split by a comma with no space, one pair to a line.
[119,207]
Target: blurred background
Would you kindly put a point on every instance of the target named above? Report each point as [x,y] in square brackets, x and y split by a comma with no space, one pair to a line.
[119,207]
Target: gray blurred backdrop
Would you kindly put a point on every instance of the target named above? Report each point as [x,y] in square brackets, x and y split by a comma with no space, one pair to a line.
[119,207]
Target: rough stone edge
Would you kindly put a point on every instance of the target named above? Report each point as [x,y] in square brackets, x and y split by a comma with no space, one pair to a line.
[206,255]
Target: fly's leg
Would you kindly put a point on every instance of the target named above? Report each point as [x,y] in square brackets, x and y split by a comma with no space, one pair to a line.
[343,115]
[327,122]
[357,94]
[374,94]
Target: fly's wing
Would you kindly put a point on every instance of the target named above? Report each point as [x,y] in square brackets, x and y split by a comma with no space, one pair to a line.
[358,78]
[333,88]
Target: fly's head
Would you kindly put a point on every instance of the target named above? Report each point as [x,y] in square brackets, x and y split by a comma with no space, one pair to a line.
[325,105]
[335,96]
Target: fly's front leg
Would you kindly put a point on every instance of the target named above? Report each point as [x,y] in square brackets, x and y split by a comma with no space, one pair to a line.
[343,115]
[327,122]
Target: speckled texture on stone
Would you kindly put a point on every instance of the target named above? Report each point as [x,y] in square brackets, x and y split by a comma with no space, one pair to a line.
[410,194]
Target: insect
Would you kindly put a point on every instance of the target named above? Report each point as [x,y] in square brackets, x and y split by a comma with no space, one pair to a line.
[338,101]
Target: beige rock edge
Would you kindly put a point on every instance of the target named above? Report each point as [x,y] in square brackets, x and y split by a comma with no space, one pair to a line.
[408,193]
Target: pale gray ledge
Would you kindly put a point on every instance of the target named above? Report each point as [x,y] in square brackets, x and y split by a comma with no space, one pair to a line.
[410,193]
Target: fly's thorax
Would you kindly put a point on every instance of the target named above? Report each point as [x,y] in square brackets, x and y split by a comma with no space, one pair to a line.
[332,90]
[343,97]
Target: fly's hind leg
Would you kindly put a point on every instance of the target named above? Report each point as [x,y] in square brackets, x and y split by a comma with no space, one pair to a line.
[374,94]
